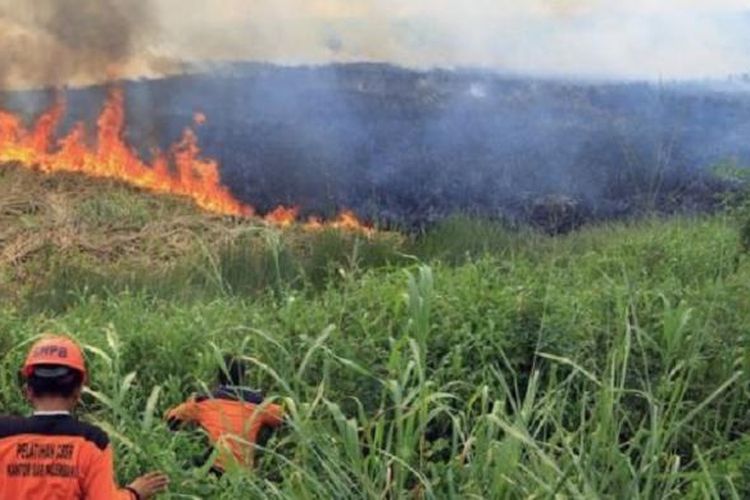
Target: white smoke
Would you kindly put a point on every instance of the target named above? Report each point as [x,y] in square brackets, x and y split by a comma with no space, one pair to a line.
[607,38]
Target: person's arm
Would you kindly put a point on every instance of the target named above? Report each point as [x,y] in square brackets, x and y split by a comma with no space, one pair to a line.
[148,485]
[99,480]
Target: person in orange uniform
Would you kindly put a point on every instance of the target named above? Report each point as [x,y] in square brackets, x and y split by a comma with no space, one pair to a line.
[52,455]
[232,416]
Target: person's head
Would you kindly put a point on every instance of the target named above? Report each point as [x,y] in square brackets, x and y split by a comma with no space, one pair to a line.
[232,372]
[54,373]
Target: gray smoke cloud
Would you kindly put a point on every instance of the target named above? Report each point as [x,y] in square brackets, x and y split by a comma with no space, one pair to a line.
[56,42]
[78,41]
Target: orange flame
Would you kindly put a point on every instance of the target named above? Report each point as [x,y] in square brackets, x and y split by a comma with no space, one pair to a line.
[113,158]
[282,216]
[314,224]
[182,170]
[348,221]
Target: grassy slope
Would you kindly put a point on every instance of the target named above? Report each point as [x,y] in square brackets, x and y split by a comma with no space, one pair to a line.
[62,236]
[610,362]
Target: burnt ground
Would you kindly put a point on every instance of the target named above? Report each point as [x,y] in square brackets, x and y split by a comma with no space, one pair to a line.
[405,148]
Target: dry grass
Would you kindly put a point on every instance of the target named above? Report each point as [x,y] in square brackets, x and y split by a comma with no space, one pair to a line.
[68,214]
[62,227]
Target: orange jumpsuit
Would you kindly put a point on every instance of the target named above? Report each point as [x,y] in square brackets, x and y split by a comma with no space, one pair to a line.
[232,425]
[56,457]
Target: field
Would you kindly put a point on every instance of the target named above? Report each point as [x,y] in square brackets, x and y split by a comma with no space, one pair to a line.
[470,361]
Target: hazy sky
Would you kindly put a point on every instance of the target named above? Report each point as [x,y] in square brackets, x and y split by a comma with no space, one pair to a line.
[614,38]
[673,38]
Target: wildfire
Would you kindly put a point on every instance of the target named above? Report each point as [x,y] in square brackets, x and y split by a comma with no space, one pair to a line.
[181,170]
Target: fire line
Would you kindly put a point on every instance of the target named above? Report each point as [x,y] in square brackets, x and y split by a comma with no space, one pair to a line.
[182,170]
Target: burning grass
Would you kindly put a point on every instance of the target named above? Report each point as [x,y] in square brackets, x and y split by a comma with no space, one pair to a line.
[113,158]
[181,171]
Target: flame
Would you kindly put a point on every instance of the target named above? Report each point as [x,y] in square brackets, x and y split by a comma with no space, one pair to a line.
[283,216]
[113,158]
[181,170]
[314,224]
[346,221]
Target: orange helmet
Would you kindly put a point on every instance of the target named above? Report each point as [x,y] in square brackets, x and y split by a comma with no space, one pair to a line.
[54,350]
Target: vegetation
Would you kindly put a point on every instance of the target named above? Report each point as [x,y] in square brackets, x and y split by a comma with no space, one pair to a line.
[473,361]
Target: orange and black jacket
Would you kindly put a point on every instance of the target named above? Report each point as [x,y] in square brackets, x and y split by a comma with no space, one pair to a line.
[56,457]
[232,418]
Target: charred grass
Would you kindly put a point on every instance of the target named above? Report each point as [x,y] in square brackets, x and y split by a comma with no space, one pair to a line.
[474,361]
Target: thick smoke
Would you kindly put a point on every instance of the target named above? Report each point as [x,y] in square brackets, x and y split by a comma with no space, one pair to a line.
[59,42]
[407,147]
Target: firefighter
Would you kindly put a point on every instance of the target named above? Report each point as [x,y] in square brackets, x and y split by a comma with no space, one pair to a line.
[52,455]
[233,417]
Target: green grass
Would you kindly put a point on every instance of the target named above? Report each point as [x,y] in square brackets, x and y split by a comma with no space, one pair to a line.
[471,362]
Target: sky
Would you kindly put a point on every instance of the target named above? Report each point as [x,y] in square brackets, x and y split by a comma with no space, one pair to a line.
[642,39]
[623,38]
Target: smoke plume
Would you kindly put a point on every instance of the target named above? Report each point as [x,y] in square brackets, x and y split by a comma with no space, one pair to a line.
[52,42]
[57,42]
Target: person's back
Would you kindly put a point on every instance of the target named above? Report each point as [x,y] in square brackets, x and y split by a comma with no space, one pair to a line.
[52,455]
[233,418]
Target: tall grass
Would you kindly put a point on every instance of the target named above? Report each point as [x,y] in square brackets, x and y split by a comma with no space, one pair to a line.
[610,363]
